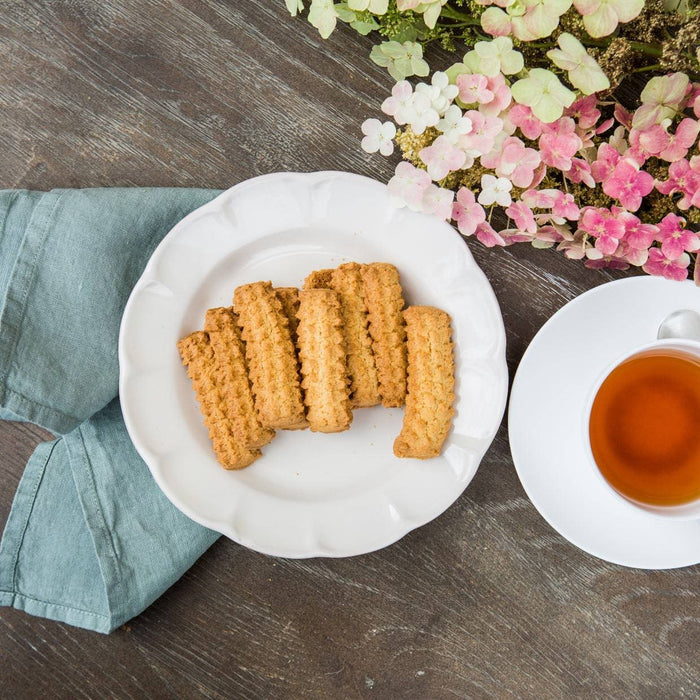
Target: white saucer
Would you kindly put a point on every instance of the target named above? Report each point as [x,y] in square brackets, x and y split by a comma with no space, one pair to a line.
[547,402]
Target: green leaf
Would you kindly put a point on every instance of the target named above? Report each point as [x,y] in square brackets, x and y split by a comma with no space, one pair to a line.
[345,14]
[364,28]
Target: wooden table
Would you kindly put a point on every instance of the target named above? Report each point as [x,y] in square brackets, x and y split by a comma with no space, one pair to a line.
[485,601]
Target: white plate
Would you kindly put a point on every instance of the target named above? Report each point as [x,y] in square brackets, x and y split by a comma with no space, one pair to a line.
[548,399]
[310,494]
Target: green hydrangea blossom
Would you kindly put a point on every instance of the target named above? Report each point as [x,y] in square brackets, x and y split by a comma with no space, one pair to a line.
[401,60]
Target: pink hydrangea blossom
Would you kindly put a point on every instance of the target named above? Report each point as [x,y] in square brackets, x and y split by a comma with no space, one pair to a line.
[467,212]
[676,145]
[522,216]
[514,161]
[474,88]
[604,227]
[522,117]
[481,138]
[437,200]
[501,96]
[584,111]
[565,207]
[628,184]
[638,236]
[559,142]
[634,256]
[442,157]
[514,235]
[670,268]
[580,172]
[408,185]
[605,163]
[675,238]
[682,178]
[399,104]
[540,199]
[488,235]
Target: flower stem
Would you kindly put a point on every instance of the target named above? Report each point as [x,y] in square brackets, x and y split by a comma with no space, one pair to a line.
[452,13]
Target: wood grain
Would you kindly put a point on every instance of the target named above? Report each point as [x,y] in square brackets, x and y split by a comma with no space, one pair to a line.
[485,601]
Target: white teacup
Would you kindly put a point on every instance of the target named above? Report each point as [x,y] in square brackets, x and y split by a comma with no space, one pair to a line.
[684,511]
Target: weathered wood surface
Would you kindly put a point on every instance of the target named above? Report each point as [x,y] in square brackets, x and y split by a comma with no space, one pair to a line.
[485,601]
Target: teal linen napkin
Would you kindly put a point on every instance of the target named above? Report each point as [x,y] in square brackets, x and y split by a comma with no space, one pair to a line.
[90,540]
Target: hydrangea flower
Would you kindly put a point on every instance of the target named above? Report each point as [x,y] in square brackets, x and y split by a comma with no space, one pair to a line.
[437,200]
[670,147]
[638,236]
[454,124]
[376,7]
[323,16]
[488,236]
[522,216]
[543,93]
[442,157]
[467,212]
[675,239]
[420,113]
[408,185]
[661,99]
[527,20]
[522,117]
[294,6]
[401,60]
[378,136]
[601,17]
[662,266]
[439,92]
[604,227]
[496,56]
[602,167]
[585,111]
[399,104]
[682,178]
[558,143]
[565,207]
[495,191]
[628,184]
[473,88]
[580,171]
[430,9]
[481,138]
[514,161]
[584,72]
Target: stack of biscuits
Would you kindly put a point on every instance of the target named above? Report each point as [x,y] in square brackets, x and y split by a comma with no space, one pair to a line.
[286,359]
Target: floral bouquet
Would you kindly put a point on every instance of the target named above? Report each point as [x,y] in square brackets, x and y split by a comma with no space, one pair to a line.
[524,141]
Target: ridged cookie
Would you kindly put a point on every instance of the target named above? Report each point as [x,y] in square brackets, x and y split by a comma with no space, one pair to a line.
[232,377]
[322,355]
[384,300]
[430,398]
[346,280]
[271,356]
[319,279]
[289,297]
[197,355]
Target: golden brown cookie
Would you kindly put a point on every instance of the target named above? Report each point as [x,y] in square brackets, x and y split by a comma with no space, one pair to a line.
[322,354]
[430,398]
[197,355]
[384,300]
[271,356]
[289,297]
[318,279]
[364,387]
[232,377]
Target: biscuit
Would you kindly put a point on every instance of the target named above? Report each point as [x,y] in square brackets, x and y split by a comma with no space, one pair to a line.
[232,377]
[197,355]
[322,354]
[271,356]
[319,279]
[429,408]
[347,282]
[384,300]
[289,297]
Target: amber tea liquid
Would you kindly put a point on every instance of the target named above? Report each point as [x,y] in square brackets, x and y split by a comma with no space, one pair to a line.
[644,427]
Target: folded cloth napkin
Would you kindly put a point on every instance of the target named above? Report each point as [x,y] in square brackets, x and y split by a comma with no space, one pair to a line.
[90,540]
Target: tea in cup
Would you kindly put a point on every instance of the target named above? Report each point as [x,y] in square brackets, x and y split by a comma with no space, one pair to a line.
[644,428]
